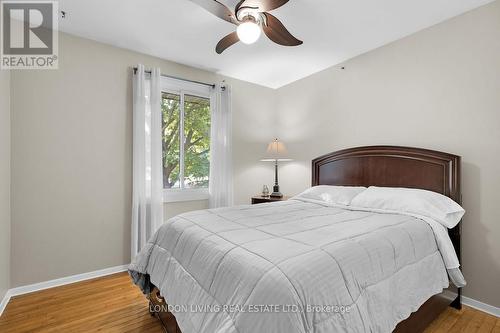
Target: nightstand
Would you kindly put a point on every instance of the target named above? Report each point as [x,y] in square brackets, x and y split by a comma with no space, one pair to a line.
[258,199]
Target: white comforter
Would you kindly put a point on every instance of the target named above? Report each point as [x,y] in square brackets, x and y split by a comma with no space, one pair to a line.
[292,266]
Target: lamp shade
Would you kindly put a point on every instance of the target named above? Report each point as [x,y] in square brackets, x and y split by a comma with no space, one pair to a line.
[276,151]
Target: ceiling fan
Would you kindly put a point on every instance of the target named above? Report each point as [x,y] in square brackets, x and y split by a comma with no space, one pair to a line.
[251,17]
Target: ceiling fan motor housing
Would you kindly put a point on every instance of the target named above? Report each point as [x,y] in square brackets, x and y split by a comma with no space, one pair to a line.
[248,14]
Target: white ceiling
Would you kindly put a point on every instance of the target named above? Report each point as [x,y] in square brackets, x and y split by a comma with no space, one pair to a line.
[332,30]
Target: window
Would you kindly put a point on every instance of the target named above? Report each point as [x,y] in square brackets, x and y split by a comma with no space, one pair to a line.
[186,140]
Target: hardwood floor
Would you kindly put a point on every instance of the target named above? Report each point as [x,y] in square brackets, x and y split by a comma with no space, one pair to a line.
[113,304]
[467,320]
[108,304]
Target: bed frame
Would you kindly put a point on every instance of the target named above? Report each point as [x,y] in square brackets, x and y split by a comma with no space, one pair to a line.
[399,167]
[388,166]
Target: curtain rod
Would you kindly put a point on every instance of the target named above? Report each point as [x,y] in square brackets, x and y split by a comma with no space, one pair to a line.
[178,78]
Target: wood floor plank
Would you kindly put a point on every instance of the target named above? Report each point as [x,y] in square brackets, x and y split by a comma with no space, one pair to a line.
[488,324]
[450,316]
[109,304]
[113,304]
[474,324]
[496,329]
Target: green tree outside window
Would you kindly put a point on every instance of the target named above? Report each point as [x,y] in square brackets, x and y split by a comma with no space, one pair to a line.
[196,133]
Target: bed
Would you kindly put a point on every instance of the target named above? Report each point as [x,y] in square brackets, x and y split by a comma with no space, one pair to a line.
[251,268]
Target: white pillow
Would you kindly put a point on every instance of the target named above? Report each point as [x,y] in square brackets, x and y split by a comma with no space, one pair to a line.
[413,201]
[340,195]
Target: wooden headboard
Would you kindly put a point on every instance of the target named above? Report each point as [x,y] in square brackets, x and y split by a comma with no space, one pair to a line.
[398,167]
[391,167]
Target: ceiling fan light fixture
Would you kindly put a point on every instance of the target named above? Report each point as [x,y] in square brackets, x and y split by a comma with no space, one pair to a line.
[249,32]
[252,19]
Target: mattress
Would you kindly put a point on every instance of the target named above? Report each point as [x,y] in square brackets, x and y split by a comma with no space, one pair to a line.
[292,266]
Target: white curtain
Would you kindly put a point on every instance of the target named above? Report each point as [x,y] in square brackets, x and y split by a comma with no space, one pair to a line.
[221,169]
[147,186]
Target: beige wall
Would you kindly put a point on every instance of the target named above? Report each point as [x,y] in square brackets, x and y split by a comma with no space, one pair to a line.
[72,158]
[4,182]
[438,89]
[252,130]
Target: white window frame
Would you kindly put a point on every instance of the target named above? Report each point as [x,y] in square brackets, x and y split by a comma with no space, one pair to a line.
[182,88]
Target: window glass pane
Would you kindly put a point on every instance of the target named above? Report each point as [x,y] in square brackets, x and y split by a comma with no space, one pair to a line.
[196,141]
[171,142]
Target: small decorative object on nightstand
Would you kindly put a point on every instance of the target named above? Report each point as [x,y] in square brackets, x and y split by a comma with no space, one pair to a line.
[265,191]
[276,152]
[260,199]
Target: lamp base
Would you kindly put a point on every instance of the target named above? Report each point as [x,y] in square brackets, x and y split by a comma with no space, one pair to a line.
[276,192]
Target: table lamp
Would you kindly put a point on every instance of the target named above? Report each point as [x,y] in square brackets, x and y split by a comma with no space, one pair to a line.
[276,152]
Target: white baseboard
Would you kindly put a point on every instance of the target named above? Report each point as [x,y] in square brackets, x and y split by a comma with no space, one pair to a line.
[5,301]
[492,310]
[58,282]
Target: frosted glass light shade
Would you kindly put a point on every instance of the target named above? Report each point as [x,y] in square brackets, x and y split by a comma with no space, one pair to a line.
[248,32]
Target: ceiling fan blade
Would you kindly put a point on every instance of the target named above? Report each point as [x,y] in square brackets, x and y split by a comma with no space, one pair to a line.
[226,42]
[262,5]
[218,9]
[276,31]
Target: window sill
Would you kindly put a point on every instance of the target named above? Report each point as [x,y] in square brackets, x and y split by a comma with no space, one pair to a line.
[178,195]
